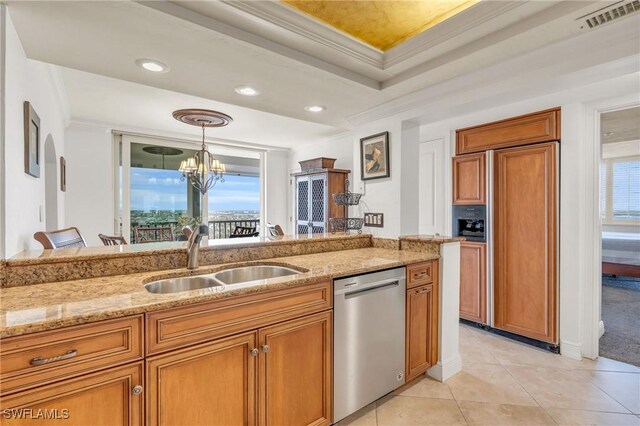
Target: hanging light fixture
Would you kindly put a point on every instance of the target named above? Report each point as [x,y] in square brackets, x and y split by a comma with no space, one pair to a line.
[203,170]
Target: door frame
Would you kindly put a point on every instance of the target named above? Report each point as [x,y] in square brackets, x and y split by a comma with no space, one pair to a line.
[592,228]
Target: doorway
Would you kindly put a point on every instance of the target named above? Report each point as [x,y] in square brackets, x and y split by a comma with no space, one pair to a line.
[620,224]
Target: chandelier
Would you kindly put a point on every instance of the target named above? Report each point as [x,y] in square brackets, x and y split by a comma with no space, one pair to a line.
[203,170]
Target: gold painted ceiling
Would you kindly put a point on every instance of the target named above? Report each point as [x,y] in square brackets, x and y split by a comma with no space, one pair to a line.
[381,24]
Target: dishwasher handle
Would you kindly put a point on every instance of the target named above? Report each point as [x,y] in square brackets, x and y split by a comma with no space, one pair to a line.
[354,292]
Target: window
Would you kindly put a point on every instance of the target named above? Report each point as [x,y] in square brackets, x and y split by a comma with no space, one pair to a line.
[620,190]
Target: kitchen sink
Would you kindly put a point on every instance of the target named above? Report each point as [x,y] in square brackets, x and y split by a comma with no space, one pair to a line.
[175,285]
[252,273]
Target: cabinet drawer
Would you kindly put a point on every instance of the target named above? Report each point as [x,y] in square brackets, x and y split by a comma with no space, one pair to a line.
[419,274]
[176,328]
[40,358]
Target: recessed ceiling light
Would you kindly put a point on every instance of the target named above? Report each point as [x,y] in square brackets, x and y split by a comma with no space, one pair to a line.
[315,108]
[152,65]
[247,91]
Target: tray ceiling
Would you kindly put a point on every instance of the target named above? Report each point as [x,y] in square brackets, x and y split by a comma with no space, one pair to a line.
[382,24]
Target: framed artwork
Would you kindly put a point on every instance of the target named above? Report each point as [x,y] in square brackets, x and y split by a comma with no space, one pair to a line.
[374,156]
[31,141]
[63,174]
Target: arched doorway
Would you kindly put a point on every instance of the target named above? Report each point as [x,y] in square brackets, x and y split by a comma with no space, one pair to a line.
[50,184]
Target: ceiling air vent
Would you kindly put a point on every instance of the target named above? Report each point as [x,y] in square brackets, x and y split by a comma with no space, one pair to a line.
[608,14]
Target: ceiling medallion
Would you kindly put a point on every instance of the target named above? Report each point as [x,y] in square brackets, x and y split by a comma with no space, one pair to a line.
[203,170]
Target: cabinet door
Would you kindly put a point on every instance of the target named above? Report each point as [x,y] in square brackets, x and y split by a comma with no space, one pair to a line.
[525,217]
[319,205]
[542,126]
[209,384]
[419,329]
[296,372]
[303,202]
[469,177]
[104,398]
[473,281]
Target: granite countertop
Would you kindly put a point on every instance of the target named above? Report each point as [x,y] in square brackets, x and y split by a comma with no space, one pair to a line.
[39,307]
[150,249]
[431,238]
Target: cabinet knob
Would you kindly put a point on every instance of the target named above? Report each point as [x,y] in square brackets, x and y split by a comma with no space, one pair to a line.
[254,352]
[137,390]
[265,348]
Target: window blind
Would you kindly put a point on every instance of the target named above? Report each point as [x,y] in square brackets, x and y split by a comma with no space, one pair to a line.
[626,190]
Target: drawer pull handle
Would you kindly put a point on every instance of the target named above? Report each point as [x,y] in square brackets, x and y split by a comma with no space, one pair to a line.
[421,274]
[40,361]
[424,290]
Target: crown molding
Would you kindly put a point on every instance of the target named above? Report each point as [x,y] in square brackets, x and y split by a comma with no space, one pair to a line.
[287,18]
[217,25]
[456,25]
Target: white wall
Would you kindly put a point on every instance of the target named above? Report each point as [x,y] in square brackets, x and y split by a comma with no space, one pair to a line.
[277,184]
[27,80]
[89,197]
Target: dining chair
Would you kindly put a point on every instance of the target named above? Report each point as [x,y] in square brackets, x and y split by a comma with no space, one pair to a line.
[115,240]
[62,238]
[153,234]
[244,232]
[274,230]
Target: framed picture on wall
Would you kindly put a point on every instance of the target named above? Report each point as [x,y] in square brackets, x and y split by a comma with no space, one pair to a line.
[374,156]
[31,141]
[63,174]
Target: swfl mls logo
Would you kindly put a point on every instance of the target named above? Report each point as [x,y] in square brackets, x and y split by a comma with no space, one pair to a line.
[36,414]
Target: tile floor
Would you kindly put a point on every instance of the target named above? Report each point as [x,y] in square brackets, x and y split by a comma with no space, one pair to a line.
[503,382]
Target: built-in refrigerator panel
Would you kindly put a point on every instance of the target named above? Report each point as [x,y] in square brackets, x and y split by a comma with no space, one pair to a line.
[489,238]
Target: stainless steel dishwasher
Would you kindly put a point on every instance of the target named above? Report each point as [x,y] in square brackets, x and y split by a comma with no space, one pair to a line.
[368,339]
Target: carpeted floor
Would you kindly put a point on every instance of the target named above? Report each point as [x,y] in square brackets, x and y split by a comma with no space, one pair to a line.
[621,316]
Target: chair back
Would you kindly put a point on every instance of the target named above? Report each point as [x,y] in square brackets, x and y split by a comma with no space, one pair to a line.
[153,234]
[63,238]
[109,240]
[274,230]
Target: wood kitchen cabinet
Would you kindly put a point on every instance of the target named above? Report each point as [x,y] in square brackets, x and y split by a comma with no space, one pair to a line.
[110,397]
[277,375]
[295,372]
[525,241]
[210,384]
[421,350]
[469,177]
[473,281]
[541,126]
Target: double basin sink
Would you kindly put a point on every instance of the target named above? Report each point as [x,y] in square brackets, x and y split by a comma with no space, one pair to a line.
[219,279]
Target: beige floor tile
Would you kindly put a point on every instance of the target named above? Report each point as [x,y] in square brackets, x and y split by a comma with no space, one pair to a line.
[488,383]
[623,387]
[606,364]
[363,417]
[482,413]
[473,351]
[570,389]
[578,417]
[509,352]
[425,387]
[405,410]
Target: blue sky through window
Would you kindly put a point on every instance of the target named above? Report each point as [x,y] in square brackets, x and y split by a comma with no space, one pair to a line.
[158,189]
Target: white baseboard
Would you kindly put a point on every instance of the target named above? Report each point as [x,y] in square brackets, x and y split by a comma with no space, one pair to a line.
[444,370]
[570,350]
[600,329]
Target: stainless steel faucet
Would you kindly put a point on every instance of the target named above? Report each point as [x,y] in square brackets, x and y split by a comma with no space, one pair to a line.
[193,245]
